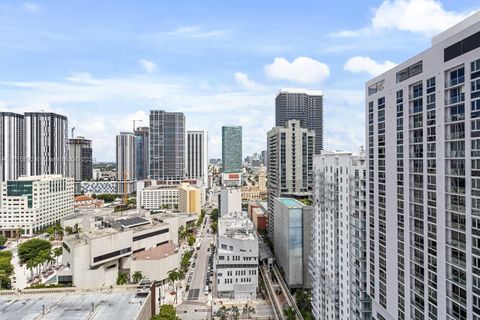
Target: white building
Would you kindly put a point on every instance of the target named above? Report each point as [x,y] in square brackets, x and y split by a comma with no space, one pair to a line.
[34,203]
[232,179]
[236,257]
[338,259]
[104,187]
[46,137]
[125,156]
[12,146]
[156,197]
[197,156]
[109,246]
[229,201]
[423,153]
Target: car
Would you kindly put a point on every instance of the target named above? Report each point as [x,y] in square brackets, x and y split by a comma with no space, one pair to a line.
[193,265]
[190,279]
[206,290]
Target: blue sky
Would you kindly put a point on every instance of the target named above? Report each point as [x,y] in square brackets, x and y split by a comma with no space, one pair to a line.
[104,63]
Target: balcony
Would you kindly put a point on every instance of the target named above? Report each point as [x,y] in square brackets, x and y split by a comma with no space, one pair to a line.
[455,99]
[456,171]
[456,208]
[454,82]
[456,243]
[455,135]
[456,189]
[455,154]
[457,262]
[456,117]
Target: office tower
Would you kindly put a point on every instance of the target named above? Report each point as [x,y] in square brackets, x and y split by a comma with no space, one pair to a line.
[31,204]
[423,152]
[46,137]
[12,146]
[290,150]
[197,156]
[338,261]
[167,145]
[80,159]
[293,243]
[303,105]
[141,152]
[125,156]
[232,149]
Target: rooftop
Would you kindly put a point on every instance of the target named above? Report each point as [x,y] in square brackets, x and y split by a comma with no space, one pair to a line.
[289,202]
[299,90]
[236,226]
[156,253]
[72,305]
[40,178]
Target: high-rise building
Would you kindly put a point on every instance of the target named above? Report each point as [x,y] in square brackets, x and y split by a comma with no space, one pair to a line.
[293,241]
[290,150]
[141,152]
[125,156]
[232,149]
[30,204]
[167,145]
[80,159]
[338,263]
[46,137]
[197,156]
[12,146]
[304,105]
[423,153]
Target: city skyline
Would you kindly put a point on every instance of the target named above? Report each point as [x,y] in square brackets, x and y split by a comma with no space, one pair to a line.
[200,66]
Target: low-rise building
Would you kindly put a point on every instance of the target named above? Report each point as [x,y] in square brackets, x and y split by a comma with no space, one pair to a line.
[257,212]
[236,257]
[95,256]
[229,201]
[156,197]
[104,187]
[253,193]
[231,179]
[189,199]
[81,202]
[292,244]
[30,204]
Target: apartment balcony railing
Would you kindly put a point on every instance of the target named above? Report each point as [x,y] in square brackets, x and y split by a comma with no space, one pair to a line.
[456,243]
[455,99]
[455,154]
[456,171]
[456,207]
[456,189]
[456,117]
[455,135]
[457,262]
[454,81]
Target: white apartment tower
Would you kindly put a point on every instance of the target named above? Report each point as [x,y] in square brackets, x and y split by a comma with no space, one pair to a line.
[46,138]
[12,146]
[197,156]
[290,150]
[126,156]
[33,203]
[338,260]
[423,171]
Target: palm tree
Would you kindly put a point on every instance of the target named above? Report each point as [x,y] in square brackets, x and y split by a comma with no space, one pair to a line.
[247,310]
[289,313]
[68,230]
[137,276]
[57,252]
[122,278]
[222,313]
[235,312]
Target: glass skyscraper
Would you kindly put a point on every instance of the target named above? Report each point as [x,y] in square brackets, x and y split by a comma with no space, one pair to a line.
[232,149]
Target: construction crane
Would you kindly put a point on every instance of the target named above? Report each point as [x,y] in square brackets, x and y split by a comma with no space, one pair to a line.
[136,120]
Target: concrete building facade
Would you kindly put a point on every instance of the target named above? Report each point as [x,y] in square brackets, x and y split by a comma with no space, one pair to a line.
[423,156]
[232,149]
[189,199]
[229,201]
[305,106]
[30,204]
[197,156]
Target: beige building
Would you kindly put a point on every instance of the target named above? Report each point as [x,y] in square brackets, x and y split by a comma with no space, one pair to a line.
[253,193]
[262,180]
[189,199]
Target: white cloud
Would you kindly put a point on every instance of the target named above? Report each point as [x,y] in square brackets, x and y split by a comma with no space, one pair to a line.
[29,6]
[366,64]
[147,65]
[427,17]
[303,69]
[196,32]
[243,80]
[80,77]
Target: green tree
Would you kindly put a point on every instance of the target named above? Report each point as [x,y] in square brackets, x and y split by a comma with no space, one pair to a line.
[51,230]
[167,312]
[235,312]
[31,249]
[247,311]
[57,252]
[137,276]
[304,302]
[222,313]
[172,278]
[289,313]
[191,240]
[122,278]
[3,240]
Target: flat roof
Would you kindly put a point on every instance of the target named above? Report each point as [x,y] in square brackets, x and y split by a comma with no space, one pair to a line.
[160,252]
[72,305]
[290,202]
[300,90]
